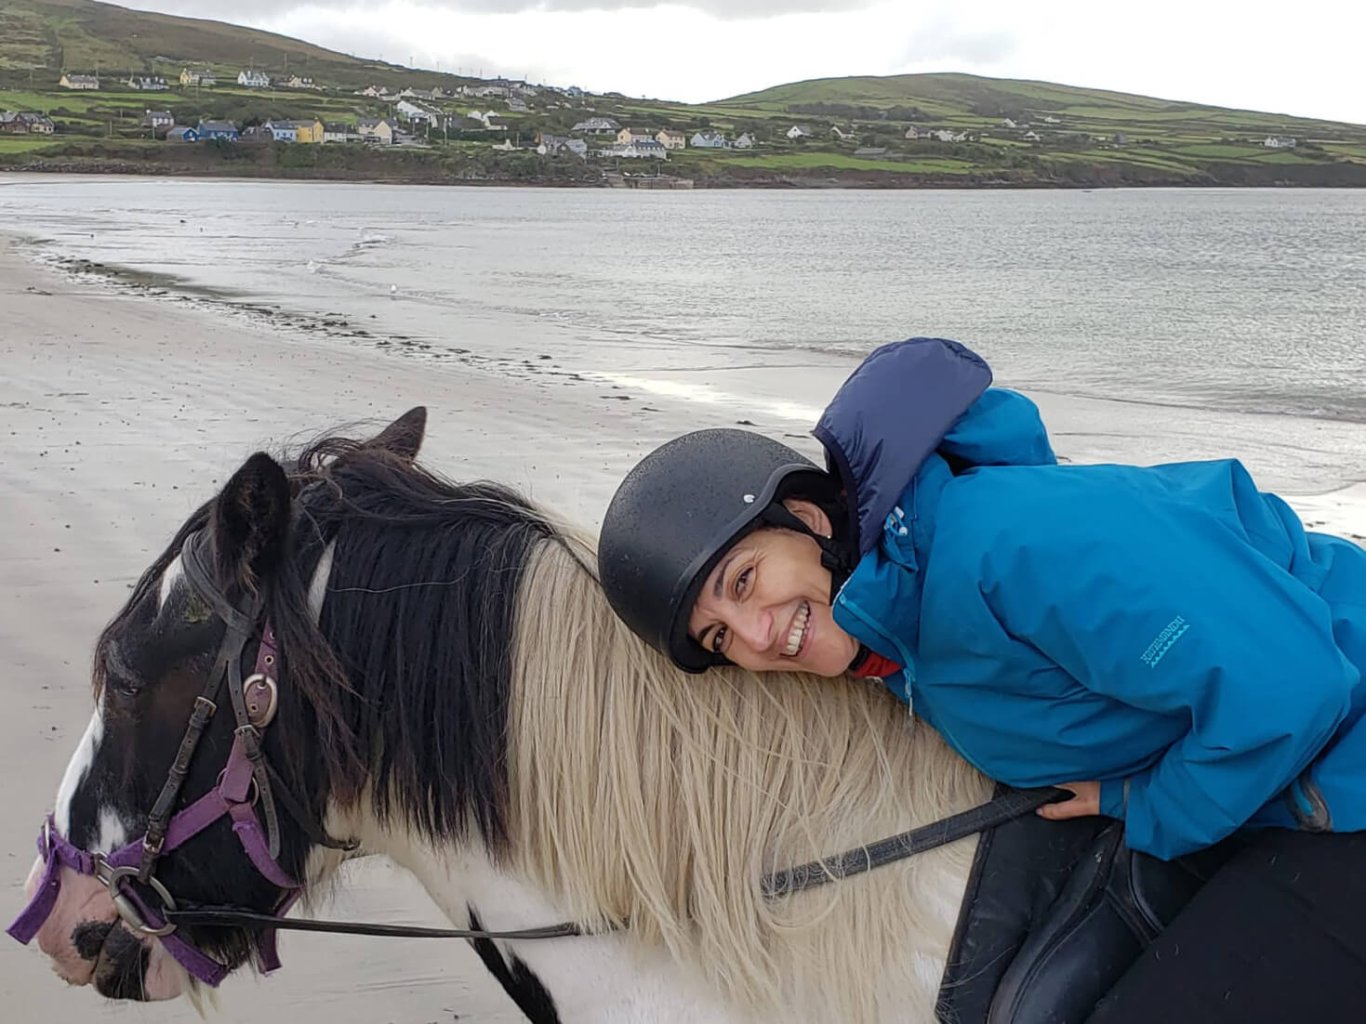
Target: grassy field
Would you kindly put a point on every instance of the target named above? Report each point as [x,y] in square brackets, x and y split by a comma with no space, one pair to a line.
[26,143]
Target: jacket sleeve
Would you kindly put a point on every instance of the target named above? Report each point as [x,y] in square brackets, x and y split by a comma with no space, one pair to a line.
[1173,611]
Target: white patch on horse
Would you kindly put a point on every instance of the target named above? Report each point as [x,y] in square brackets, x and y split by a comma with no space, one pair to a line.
[317,587]
[113,834]
[169,578]
[78,768]
[593,979]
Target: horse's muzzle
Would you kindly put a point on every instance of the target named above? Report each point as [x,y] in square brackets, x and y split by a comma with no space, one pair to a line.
[88,945]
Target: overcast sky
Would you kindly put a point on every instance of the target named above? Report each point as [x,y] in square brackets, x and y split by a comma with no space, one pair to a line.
[1300,58]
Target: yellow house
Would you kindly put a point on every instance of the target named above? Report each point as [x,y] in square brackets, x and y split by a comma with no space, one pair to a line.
[309,131]
[671,139]
[375,130]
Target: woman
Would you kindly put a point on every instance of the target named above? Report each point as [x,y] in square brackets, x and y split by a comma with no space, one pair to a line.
[1169,633]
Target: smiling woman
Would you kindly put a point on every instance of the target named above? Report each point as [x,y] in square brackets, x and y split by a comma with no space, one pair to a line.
[1170,635]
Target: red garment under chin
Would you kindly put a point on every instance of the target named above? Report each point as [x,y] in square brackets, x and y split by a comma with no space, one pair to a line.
[875,665]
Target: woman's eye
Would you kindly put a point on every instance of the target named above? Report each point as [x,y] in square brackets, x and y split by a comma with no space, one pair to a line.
[742,581]
[718,639]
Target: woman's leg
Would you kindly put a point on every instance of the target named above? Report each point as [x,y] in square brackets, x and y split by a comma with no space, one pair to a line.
[1277,936]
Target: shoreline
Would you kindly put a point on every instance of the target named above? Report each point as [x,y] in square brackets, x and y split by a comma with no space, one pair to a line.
[1179,432]
[878,181]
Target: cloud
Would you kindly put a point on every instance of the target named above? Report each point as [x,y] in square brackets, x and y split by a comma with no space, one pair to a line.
[942,41]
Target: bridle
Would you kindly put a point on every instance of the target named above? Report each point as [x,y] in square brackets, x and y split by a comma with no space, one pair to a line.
[246,793]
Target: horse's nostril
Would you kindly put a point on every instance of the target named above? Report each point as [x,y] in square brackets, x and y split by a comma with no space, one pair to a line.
[121,971]
[89,937]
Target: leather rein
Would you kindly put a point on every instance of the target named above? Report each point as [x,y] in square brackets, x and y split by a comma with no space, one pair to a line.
[248,789]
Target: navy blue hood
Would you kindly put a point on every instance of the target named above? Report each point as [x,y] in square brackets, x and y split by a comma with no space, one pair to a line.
[889,416]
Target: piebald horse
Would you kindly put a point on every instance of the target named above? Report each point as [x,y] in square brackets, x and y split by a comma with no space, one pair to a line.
[448,687]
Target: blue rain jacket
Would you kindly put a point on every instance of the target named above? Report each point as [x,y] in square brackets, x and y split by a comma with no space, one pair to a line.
[1170,631]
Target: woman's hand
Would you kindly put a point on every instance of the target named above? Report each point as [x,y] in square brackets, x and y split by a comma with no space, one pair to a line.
[1085,802]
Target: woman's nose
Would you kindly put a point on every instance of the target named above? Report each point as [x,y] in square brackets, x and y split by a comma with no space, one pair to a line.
[754,627]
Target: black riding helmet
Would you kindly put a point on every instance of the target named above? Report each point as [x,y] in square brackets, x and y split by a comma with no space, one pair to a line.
[682,508]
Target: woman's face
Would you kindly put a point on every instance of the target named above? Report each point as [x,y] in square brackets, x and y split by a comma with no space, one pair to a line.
[766,605]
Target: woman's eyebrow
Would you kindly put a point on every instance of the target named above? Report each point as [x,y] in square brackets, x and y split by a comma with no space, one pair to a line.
[717,587]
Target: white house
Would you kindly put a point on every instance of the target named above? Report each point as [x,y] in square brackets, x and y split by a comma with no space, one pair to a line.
[744,141]
[283,131]
[913,132]
[337,131]
[79,82]
[562,145]
[417,113]
[1030,137]
[518,105]
[799,131]
[251,79]
[944,135]
[486,118]
[1279,142]
[147,83]
[155,119]
[640,149]
[295,82]
[842,133]
[597,126]
[709,140]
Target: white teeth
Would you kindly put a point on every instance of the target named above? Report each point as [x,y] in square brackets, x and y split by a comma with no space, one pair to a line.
[794,636]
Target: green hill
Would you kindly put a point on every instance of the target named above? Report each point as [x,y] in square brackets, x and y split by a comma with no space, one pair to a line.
[975,101]
[40,39]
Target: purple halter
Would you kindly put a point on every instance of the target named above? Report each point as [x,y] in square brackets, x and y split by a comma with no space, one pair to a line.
[242,785]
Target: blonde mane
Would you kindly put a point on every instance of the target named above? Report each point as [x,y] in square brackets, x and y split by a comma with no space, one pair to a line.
[650,798]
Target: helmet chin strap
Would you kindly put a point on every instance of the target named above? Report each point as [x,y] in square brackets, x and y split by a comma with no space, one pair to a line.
[834,558]
[834,555]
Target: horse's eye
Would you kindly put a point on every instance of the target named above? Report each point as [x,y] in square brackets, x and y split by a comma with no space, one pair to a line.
[197,610]
[116,673]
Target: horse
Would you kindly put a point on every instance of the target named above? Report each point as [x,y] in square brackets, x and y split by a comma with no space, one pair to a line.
[441,681]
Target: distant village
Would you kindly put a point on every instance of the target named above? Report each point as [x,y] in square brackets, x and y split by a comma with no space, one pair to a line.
[418,116]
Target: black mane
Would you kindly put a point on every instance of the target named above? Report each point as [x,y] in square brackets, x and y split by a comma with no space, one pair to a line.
[405,680]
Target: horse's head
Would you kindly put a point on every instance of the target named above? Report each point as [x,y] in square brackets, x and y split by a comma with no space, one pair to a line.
[183,791]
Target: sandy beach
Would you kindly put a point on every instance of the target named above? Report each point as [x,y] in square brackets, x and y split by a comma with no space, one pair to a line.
[121,412]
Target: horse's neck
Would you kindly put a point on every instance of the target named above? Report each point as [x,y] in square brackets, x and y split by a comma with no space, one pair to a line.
[601,979]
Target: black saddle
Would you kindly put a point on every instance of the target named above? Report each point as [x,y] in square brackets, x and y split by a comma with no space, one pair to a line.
[1054,913]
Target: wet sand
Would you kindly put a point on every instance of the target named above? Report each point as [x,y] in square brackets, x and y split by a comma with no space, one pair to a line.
[121,412]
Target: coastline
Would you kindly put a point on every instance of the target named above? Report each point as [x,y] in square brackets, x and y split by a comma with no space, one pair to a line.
[433,166]
[856,180]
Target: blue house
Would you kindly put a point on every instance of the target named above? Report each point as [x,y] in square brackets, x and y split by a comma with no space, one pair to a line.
[183,134]
[218,130]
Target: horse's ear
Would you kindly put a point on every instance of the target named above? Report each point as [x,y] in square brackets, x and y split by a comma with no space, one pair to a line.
[251,520]
[403,437]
